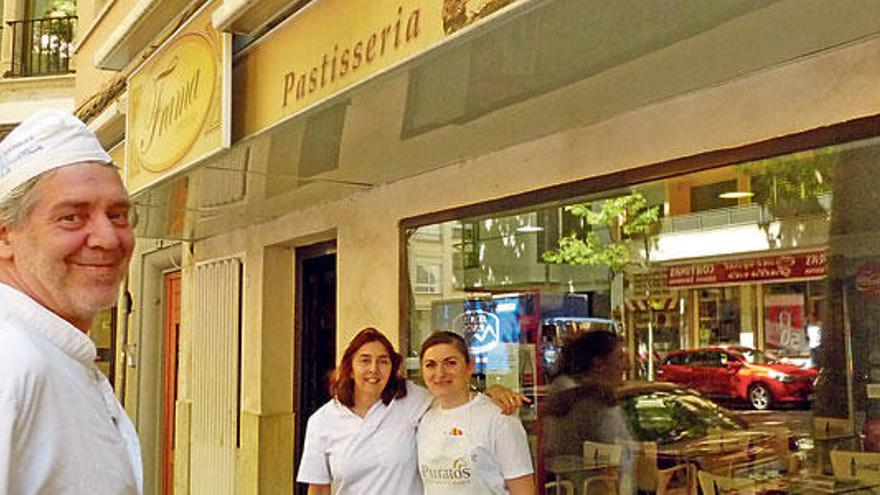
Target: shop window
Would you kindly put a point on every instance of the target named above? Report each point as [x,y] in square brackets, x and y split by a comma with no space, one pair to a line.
[427,280]
[766,281]
[793,316]
[720,316]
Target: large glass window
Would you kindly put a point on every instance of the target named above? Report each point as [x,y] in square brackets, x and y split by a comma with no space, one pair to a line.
[720,315]
[776,259]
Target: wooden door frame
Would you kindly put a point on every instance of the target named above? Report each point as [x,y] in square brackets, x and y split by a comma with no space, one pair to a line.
[172,285]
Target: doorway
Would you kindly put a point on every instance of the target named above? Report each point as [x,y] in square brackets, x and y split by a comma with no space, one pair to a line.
[315,336]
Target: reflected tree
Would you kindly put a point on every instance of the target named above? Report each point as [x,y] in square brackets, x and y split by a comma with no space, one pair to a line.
[795,191]
[613,223]
[619,236]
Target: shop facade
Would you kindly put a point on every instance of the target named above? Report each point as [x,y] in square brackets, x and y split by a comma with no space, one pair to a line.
[422,188]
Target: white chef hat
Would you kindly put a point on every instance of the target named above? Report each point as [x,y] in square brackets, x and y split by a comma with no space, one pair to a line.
[44,141]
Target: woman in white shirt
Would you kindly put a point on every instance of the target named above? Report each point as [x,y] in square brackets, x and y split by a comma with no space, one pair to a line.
[465,446]
[363,441]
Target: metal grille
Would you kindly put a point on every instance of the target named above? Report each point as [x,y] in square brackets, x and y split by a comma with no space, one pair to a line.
[41,47]
[216,376]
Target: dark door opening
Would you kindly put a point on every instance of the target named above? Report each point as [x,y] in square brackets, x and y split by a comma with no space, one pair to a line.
[315,336]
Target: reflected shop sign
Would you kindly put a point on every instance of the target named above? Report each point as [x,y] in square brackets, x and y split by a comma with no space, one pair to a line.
[332,45]
[481,329]
[868,280]
[805,265]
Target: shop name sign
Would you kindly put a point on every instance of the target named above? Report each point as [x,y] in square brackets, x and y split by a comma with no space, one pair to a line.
[781,267]
[481,329]
[332,45]
[300,83]
[178,99]
[868,280]
[176,104]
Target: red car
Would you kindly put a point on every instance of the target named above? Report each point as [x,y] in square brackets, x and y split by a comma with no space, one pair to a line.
[738,372]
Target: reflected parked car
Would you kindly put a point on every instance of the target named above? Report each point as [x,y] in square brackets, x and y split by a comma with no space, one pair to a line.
[678,432]
[741,373]
[690,428]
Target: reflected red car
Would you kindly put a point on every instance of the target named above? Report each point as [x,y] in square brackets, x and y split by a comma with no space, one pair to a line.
[740,373]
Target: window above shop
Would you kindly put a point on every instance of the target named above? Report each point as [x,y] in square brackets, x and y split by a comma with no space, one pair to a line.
[427,280]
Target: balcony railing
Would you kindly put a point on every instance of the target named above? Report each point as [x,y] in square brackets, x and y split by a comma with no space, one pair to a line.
[41,47]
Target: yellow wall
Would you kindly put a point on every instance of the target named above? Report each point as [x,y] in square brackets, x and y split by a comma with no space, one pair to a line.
[92,33]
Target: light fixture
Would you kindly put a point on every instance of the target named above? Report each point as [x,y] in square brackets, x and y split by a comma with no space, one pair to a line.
[530,225]
[736,194]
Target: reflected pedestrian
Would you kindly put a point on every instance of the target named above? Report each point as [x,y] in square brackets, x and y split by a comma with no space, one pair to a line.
[583,404]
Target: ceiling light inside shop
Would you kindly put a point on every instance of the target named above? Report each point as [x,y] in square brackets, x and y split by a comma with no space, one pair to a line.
[736,194]
[712,242]
[529,228]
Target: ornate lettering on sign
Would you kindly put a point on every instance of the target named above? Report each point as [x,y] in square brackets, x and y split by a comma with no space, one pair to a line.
[299,84]
[171,101]
[168,109]
[868,280]
[780,267]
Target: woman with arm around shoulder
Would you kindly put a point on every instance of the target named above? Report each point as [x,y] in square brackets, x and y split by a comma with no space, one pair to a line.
[363,440]
[465,445]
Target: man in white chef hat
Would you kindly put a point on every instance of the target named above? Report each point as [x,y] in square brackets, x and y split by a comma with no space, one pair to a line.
[65,243]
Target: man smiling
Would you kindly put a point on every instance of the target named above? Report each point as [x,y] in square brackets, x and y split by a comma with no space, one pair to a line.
[65,243]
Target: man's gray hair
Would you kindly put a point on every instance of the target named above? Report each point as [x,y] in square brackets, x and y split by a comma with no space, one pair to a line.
[18,204]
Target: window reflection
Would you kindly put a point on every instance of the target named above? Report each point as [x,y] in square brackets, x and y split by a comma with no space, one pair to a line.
[736,261]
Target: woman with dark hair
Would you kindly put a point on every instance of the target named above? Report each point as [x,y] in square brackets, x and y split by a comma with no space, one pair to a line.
[465,445]
[363,441]
[583,405]
[355,357]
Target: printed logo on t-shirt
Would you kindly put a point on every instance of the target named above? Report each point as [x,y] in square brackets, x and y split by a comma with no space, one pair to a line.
[456,432]
[458,472]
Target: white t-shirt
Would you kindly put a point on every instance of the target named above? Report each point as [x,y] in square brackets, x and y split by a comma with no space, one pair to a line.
[471,449]
[62,431]
[375,454]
